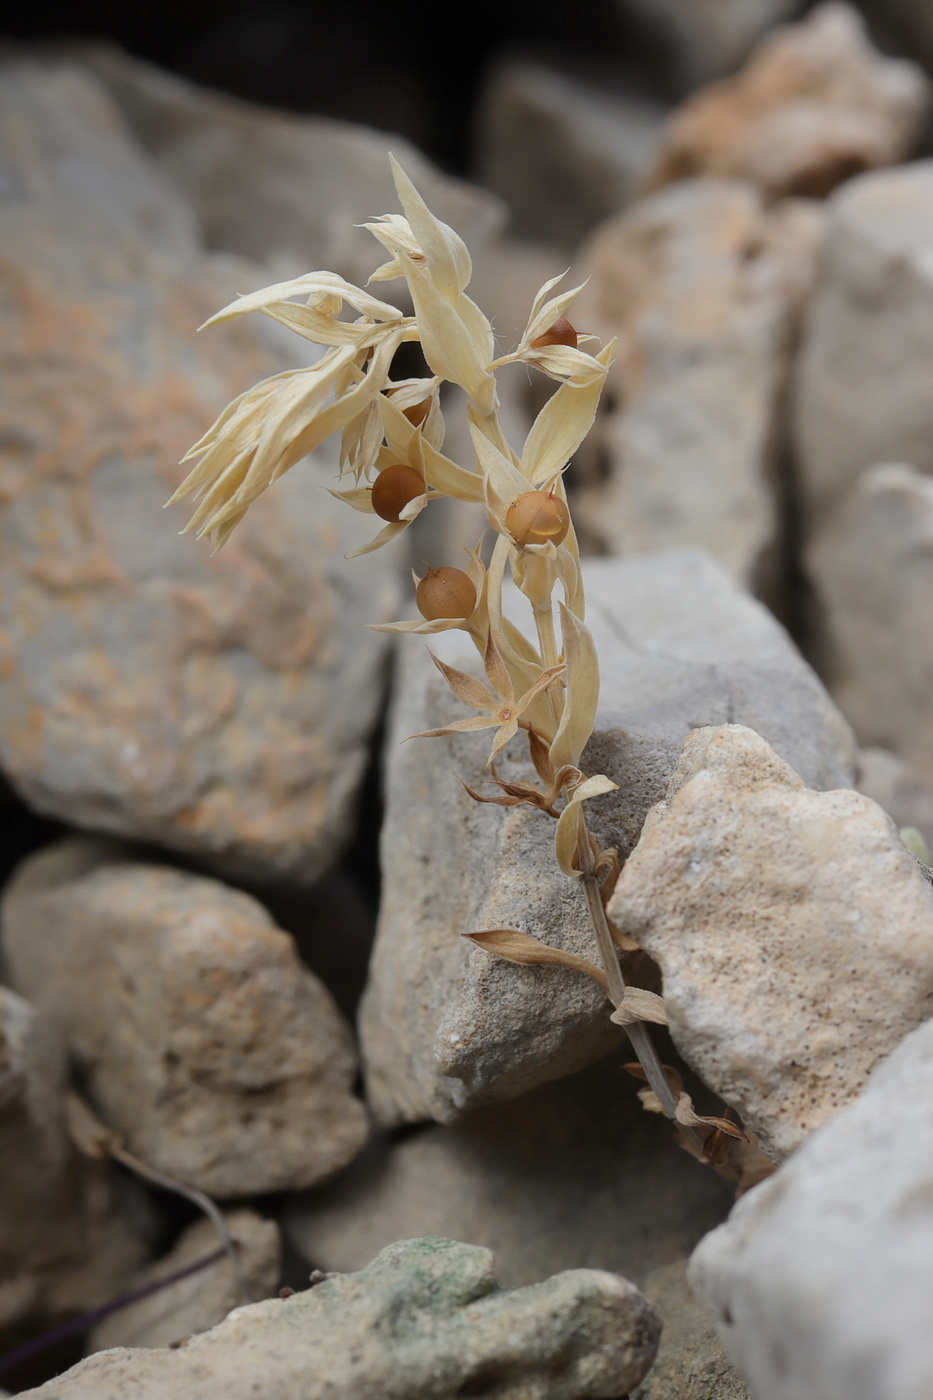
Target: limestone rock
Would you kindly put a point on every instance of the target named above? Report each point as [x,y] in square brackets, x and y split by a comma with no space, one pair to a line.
[691,1363]
[871,566]
[561,153]
[204,1042]
[573,1175]
[814,105]
[899,789]
[146,689]
[203,1299]
[820,1282]
[793,929]
[861,392]
[702,285]
[703,39]
[424,1319]
[268,184]
[445,1026]
[71,1231]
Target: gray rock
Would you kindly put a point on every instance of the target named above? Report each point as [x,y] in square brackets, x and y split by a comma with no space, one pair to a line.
[424,1319]
[793,929]
[267,184]
[703,39]
[71,1232]
[702,284]
[820,1282]
[871,566]
[815,104]
[573,1175]
[446,1027]
[862,378]
[691,1364]
[145,689]
[198,1302]
[561,153]
[899,789]
[204,1042]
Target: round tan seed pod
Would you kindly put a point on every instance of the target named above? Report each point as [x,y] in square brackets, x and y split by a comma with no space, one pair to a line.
[537,517]
[445,592]
[393,488]
[561,333]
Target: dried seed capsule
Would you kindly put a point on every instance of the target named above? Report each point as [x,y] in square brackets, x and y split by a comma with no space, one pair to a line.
[561,333]
[418,412]
[445,592]
[537,517]
[393,488]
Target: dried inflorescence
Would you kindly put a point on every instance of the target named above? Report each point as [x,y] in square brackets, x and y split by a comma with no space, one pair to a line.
[392,438]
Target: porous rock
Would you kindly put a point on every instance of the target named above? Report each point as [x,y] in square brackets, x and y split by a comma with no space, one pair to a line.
[146,689]
[820,1281]
[198,1302]
[871,566]
[574,1174]
[563,154]
[793,929]
[814,105]
[424,1319]
[446,1027]
[71,1232]
[703,285]
[691,1364]
[204,1042]
[861,383]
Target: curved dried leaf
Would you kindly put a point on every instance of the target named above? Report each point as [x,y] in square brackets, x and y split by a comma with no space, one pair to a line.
[582,690]
[639,1005]
[516,947]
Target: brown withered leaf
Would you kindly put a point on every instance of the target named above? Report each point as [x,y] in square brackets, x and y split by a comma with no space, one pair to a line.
[516,947]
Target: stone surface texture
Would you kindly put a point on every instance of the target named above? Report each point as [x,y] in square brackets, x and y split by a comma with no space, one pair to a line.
[204,1042]
[871,566]
[820,1282]
[563,154]
[861,384]
[574,1174]
[146,689]
[445,1026]
[267,184]
[793,929]
[198,1302]
[691,1364]
[71,1232]
[425,1319]
[814,105]
[703,285]
[705,38]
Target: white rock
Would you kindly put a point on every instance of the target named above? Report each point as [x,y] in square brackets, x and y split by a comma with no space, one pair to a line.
[862,377]
[899,789]
[871,566]
[445,1026]
[705,38]
[702,284]
[820,1282]
[204,1042]
[793,929]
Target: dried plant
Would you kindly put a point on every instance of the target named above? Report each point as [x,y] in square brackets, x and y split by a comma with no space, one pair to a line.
[392,435]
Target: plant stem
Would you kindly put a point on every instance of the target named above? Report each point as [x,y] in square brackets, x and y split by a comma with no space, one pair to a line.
[637,1032]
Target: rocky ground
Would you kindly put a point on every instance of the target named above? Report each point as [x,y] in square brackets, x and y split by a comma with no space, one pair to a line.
[232,897]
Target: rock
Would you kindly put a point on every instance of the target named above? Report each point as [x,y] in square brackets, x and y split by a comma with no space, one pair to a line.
[446,1027]
[71,1231]
[899,789]
[204,1042]
[702,39]
[203,1299]
[573,1175]
[424,1319]
[820,1281]
[793,929]
[691,1363]
[561,153]
[861,390]
[814,105]
[267,184]
[871,566]
[145,689]
[703,286]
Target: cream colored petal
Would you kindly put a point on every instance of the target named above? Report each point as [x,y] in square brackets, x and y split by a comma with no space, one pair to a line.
[385,536]
[504,478]
[448,260]
[496,670]
[639,1005]
[446,342]
[503,735]
[360,499]
[460,726]
[423,628]
[413,509]
[544,680]
[309,284]
[467,688]
[478,328]
[445,476]
[582,690]
[541,298]
[561,426]
[545,313]
[563,363]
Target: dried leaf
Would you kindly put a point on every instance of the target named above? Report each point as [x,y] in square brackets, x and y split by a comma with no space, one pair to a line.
[570,825]
[582,690]
[639,1005]
[516,947]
